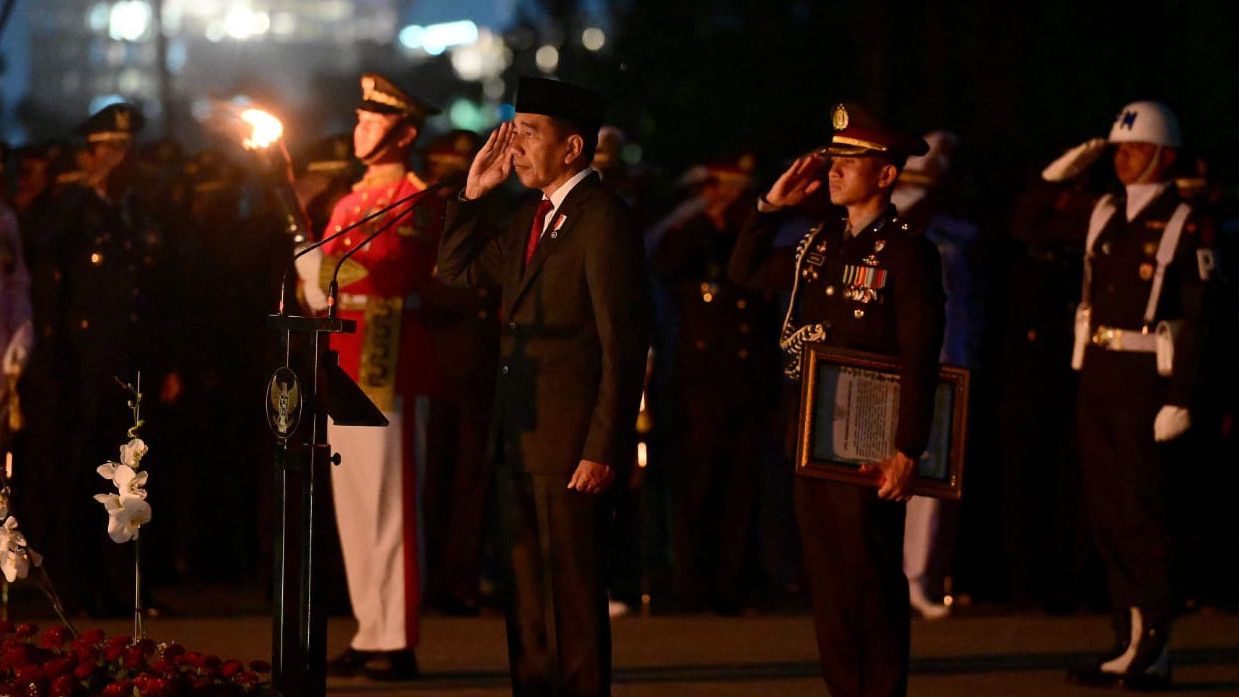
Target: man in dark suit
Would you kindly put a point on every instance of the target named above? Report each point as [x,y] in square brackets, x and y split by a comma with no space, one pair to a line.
[572,356]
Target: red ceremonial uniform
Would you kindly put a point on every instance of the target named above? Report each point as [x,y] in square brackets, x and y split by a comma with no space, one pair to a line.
[390,357]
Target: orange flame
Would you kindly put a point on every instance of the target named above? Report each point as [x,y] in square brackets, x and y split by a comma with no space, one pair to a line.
[267,129]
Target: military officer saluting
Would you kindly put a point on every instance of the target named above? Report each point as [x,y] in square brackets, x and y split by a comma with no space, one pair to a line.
[1138,335]
[864,280]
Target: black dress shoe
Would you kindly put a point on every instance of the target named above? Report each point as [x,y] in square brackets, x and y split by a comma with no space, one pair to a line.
[349,663]
[389,666]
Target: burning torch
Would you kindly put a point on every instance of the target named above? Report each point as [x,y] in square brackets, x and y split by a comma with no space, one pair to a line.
[265,138]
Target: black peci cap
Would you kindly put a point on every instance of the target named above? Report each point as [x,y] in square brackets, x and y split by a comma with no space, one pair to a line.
[562,100]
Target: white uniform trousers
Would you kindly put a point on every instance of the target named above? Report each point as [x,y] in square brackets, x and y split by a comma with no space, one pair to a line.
[378,535]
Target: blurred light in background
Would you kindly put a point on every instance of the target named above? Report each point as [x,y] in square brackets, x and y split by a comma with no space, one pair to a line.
[547,58]
[485,58]
[241,22]
[436,38]
[129,20]
[593,39]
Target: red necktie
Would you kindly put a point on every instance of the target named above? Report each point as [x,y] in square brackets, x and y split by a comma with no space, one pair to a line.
[535,230]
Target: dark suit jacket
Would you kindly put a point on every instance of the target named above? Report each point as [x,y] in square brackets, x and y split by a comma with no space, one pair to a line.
[576,325]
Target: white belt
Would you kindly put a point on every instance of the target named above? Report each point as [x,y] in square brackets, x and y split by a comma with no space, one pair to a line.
[1113,339]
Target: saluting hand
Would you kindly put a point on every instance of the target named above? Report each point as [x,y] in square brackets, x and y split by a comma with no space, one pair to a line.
[592,477]
[798,182]
[493,163]
[894,476]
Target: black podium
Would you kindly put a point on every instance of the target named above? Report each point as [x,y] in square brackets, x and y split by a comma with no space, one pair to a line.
[301,394]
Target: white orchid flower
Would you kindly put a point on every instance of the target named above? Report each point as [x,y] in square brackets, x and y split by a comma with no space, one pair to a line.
[131,453]
[15,564]
[129,482]
[126,514]
[15,558]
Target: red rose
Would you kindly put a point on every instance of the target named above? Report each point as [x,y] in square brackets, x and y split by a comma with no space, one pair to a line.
[27,674]
[14,656]
[58,666]
[93,636]
[113,653]
[202,683]
[171,651]
[64,686]
[231,668]
[120,688]
[134,658]
[6,627]
[53,637]
[147,647]
[193,658]
[247,678]
[27,629]
[259,666]
[87,654]
[84,670]
[211,662]
[119,640]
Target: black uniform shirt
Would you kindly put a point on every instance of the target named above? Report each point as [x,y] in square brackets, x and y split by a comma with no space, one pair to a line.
[878,291]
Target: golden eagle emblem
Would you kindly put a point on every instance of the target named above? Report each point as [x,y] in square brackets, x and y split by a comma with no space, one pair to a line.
[284,402]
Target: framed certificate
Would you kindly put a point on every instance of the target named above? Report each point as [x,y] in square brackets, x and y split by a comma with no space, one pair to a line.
[849,409]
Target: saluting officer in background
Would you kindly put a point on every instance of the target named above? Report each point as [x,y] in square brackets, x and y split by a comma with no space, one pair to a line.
[725,383]
[1138,336]
[853,534]
[390,357]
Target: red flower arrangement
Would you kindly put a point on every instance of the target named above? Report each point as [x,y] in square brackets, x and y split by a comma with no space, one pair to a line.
[54,664]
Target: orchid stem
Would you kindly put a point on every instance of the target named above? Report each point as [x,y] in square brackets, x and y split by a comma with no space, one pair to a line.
[137,591]
[49,589]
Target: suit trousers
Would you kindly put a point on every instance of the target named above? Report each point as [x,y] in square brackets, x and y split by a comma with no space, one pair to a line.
[1125,478]
[559,633]
[853,555]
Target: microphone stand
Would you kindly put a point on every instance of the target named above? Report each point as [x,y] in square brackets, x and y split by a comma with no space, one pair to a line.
[310,379]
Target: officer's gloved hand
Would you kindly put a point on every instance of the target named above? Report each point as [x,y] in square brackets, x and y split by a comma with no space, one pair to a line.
[1074,161]
[1171,422]
[308,267]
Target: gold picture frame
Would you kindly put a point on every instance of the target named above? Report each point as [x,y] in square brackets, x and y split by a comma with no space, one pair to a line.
[861,390]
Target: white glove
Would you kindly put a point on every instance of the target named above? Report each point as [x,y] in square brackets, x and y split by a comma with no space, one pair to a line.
[1074,161]
[18,352]
[308,270]
[1171,422]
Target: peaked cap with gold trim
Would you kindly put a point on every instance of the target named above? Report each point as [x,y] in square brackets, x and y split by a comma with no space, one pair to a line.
[382,96]
[112,122]
[858,133]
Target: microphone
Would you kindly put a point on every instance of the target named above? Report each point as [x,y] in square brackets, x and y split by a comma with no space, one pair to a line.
[333,289]
[411,199]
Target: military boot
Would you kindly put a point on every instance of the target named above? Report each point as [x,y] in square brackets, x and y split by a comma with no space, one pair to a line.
[1140,659]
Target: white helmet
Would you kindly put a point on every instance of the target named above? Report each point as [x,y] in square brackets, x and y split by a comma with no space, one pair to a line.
[1146,122]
